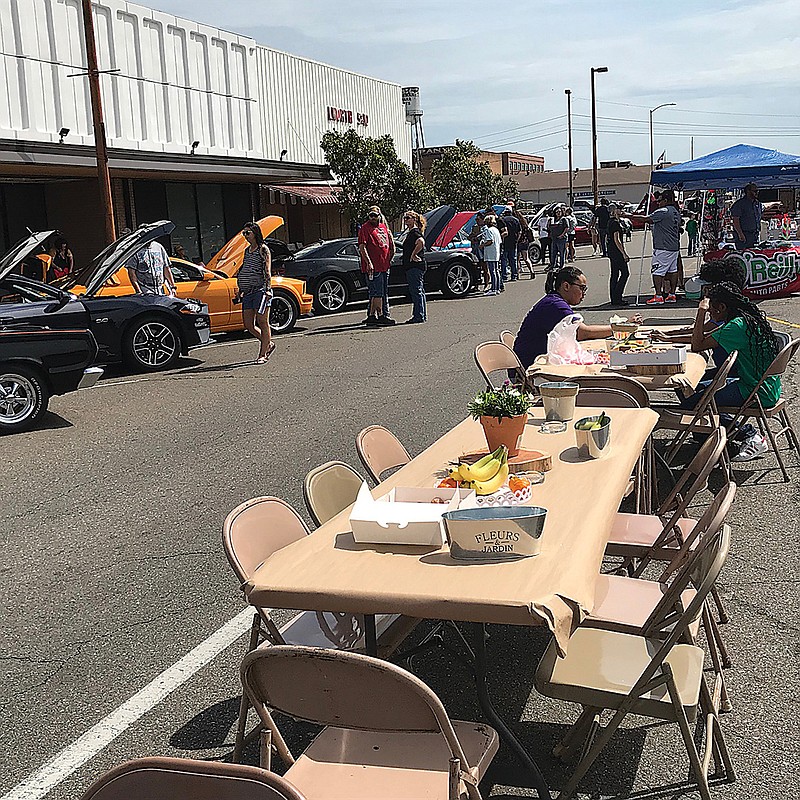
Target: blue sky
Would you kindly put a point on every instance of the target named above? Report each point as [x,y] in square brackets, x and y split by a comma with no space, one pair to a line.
[496,73]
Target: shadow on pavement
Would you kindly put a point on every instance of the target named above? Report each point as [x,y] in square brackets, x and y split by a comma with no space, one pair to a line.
[51,421]
[210,728]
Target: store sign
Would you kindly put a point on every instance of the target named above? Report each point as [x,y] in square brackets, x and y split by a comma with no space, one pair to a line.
[769,273]
[346,116]
[601,193]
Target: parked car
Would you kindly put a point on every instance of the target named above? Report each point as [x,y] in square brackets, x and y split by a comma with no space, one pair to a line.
[37,363]
[147,332]
[215,285]
[332,269]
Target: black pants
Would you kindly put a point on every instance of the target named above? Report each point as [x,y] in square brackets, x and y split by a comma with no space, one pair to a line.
[619,275]
[602,234]
[544,247]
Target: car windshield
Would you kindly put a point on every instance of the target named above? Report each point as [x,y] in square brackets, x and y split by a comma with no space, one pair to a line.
[22,291]
[82,277]
[310,251]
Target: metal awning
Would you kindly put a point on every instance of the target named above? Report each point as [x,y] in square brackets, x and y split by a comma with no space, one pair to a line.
[316,194]
[65,160]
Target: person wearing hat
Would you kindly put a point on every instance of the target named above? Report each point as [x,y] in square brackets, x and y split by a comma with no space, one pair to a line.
[376,248]
[746,218]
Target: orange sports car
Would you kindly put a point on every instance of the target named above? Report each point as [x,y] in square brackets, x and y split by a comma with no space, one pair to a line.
[215,285]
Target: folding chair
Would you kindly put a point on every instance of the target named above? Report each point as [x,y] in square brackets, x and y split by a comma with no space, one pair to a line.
[181,778]
[620,383]
[387,734]
[702,420]
[753,407]
[494,356]
[380,450]
[611,398]
[508,338]
[329,489]
[652,673]
[252,532]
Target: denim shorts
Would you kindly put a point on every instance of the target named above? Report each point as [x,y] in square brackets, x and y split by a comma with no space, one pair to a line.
[258,300]
[379,284]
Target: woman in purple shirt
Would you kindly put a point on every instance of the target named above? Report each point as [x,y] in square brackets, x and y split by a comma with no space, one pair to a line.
[565,288]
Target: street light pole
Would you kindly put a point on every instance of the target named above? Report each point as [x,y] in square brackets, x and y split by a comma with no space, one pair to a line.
[103,177]
[652,111]
[595,191]
[568,93]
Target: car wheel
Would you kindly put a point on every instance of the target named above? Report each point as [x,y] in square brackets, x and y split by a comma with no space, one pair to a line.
[456,280]
[534,253]
[331,295]
[283,312]
[23,398]
[152,344]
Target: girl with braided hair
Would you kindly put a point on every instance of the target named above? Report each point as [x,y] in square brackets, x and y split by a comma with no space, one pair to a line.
[742,327]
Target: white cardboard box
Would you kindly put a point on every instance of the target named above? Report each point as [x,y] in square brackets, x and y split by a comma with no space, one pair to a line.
[666,354]
[405,515]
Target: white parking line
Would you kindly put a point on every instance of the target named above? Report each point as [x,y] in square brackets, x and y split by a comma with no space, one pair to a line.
[84,748]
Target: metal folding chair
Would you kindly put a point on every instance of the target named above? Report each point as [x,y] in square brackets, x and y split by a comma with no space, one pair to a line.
[380,450]
[494,356]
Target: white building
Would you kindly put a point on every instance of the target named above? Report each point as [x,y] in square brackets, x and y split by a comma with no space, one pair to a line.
[254,115]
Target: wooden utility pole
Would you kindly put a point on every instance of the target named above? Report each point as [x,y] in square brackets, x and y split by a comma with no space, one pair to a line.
[103,177]
[568,93]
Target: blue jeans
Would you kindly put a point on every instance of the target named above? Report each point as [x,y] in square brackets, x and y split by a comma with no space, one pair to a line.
[558,250]
[508,262]
[494,275]
[729,395]
[416,288]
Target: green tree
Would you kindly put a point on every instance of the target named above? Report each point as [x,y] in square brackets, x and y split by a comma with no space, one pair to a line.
[461,179]
[371,173]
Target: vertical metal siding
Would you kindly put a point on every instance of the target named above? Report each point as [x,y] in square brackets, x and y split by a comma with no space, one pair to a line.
[178,82]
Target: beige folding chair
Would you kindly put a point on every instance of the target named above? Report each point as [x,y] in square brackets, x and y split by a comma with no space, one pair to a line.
[252,532]
[183,778]
[627,604]
[703,419]
[753,407]
[387,734]
[495,356]
[380,450]
[508,338]
[620,383]
[329,489]
[652,674]
[610,398]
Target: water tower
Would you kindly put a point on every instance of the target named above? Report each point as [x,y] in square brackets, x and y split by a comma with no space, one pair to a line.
[414,116]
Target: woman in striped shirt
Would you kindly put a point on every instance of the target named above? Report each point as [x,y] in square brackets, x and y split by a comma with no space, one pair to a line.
[254,282]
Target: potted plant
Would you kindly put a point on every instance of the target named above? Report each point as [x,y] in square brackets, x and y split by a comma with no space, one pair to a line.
[503,413]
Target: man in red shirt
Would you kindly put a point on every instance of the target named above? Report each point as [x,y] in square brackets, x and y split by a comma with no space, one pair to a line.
[376,247]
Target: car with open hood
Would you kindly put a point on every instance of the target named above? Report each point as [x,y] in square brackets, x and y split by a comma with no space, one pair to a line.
[148,332]
[332,269]
[37,363]
[215,285]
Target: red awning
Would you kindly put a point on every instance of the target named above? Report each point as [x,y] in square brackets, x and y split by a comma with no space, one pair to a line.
[316,194]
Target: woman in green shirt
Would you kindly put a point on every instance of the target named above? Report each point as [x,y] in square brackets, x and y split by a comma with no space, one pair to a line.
[744,328]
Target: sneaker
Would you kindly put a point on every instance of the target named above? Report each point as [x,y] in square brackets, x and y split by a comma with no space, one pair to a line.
[490,291]
[413,321]
[371,322]
[670,298]
[754,447]
[656,300]
[386,322]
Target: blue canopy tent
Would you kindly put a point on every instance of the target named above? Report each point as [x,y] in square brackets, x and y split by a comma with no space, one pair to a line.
[732,168]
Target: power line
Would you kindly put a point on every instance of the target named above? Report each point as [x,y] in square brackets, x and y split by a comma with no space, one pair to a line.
[688,126]
[519,127]
[527,138]
[718,135]
[693,110]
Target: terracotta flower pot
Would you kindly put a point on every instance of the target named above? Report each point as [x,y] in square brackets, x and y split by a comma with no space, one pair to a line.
[506,430]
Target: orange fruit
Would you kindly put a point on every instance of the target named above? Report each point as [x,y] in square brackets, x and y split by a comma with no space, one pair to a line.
[447,483]
[517,484]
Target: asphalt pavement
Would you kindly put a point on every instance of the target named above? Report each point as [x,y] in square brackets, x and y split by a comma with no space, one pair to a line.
[113,568]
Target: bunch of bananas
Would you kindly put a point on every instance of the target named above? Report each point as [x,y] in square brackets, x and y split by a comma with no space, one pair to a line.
[486,475]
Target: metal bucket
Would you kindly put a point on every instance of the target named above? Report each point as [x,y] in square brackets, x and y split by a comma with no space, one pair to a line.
[558,398]
[494,534]
[593,443]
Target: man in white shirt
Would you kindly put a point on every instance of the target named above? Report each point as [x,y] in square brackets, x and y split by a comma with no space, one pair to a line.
[149,270]
[490,244]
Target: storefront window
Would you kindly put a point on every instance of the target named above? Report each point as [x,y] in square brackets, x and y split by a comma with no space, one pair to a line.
[212,218]
[183,212]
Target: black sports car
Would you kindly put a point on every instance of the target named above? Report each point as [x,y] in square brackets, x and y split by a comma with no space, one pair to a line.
[36,363]
[332,269]
[147,332]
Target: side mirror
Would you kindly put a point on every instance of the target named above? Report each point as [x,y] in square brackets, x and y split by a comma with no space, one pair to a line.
[207,276]
[57,305]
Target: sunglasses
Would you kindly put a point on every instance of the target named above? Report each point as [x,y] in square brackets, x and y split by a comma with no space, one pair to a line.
[583,286]
[373,216]
[247,232]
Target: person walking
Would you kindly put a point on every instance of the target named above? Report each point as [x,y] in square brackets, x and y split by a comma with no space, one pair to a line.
[254,289]
[572,223]
[491,242]
[595,236]
[543,226]
[524,242]
[376,248]
[617,257]
[149,271]
[508,255]
[692,232]
[558,239]
[666,225]
[414,264]
[601,216]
